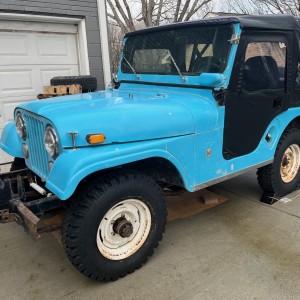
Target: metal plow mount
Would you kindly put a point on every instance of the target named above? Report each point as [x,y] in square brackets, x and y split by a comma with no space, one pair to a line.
[15,208]
[23,216]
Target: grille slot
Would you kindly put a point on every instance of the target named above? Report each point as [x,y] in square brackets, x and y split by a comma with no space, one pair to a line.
[38,156]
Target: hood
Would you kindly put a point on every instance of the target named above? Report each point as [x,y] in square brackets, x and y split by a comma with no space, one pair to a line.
[122,116]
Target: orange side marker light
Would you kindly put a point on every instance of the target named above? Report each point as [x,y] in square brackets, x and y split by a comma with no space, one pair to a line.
[97,138]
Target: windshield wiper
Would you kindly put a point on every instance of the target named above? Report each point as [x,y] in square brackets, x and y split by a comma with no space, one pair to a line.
[176,66]
[132,68]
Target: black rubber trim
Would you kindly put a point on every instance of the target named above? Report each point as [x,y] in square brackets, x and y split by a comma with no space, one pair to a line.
[206,22]
[278,22]
[39,13]
[190,86]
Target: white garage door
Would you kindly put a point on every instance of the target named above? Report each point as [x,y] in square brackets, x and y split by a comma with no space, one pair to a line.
[30,55]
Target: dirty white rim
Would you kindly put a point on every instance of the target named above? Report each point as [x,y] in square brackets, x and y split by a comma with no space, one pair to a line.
[134,214]
[290,163]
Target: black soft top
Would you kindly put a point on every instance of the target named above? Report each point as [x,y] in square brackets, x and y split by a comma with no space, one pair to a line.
[273,22]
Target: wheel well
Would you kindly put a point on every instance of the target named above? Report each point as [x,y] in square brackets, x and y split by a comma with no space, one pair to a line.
[294,123]
[160,169]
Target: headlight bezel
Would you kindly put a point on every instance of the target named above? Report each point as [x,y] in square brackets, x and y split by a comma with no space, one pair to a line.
[51,142]
[21,126]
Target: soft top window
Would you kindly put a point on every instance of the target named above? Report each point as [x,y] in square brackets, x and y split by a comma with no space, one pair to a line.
[265,66]
[195,50]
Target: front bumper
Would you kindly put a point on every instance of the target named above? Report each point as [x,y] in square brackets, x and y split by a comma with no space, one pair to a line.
[25,207]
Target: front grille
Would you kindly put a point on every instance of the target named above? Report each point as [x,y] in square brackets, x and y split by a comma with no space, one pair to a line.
[38,156]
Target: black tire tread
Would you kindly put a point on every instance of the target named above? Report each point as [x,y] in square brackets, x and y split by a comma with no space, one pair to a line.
[78,210]
[266,175]
[87,82]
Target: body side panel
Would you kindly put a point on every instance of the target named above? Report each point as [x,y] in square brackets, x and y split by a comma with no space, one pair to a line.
[216,167]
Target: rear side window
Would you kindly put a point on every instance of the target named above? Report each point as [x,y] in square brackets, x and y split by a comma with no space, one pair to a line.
[264,66]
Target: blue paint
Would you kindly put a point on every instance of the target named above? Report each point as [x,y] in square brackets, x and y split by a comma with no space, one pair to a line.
[84,161]
[182,125]
[228,70]
[10,141]
[116,113]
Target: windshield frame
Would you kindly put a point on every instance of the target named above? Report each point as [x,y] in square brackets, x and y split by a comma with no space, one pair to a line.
[175,78]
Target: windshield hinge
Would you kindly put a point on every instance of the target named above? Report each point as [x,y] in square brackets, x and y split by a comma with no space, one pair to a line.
[219,96]
[235,38]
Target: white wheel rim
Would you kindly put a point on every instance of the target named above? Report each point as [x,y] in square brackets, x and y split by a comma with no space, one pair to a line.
[290,163]
[132,214]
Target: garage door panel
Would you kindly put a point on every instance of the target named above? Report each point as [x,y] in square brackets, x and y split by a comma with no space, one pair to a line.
[16,80]
[8,106]
[58,46]
[10,25]
[34,48]
[13,45]
[51,71]
[30,80]
[28,60]
[19,81]
[43,75]
[53,47]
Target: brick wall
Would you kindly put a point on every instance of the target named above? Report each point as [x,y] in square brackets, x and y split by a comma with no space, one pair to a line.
[84,8]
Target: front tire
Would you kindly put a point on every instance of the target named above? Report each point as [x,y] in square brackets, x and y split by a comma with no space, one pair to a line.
[114,225]
[283,176]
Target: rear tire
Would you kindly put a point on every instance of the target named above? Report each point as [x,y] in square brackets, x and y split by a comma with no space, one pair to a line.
[114,225]
[283,176]
[87,82]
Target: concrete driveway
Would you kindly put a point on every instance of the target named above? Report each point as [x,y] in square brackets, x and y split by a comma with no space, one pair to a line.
[241,249]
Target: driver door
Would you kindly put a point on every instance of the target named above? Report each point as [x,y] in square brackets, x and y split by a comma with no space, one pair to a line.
[257,92]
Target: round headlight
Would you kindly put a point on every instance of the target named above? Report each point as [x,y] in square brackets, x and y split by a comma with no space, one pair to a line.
[51,142]
[21,126]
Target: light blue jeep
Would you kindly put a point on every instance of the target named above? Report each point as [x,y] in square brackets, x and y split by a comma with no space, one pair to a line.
[193,104]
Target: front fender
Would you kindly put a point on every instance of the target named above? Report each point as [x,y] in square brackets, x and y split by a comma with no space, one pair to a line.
[10,141]
[74,165]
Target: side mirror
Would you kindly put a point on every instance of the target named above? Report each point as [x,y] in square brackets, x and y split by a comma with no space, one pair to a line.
[211,79]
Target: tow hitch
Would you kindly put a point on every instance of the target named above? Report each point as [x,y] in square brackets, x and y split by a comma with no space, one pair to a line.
[15,205]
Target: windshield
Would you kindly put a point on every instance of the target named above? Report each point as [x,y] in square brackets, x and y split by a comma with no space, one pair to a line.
[195,49]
